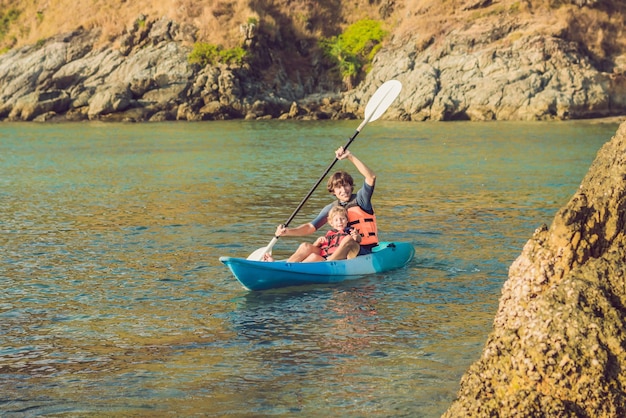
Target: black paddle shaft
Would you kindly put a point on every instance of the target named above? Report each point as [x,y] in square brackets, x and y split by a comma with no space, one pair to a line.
[295,212]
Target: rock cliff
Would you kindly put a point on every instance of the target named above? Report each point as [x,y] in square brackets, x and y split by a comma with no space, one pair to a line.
[536,77]
[558,346]
[148,77]
[481,68]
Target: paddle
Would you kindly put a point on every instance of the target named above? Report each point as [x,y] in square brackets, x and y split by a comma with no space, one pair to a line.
[377,105]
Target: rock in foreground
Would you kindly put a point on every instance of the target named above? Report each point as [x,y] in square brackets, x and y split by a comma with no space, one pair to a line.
[558,347]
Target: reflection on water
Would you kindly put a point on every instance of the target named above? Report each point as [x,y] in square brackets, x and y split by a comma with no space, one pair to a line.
[113,302]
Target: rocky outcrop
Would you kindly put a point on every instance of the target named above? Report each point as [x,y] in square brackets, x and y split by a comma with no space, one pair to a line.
[148,77]
[558,346]
[491,74]
[533,78]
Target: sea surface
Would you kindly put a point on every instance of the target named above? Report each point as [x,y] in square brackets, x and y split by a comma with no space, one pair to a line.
[113,301]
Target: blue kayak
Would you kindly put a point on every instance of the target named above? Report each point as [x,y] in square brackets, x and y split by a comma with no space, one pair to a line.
[261,275]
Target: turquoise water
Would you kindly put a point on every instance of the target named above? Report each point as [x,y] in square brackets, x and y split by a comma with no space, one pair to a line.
[113,301]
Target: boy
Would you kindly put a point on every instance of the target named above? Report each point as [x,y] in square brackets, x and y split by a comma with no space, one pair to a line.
[340,232]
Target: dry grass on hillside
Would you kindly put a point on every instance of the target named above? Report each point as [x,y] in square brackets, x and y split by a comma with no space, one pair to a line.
[436,18]
[42,18]
[217,21]
[600,30]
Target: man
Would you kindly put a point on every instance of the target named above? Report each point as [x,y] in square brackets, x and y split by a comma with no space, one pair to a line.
[360,214]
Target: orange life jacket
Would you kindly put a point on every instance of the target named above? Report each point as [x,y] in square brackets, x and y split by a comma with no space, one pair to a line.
[362,221]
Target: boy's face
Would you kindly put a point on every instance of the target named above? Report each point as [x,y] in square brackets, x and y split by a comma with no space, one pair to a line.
[338,221]
[343,192]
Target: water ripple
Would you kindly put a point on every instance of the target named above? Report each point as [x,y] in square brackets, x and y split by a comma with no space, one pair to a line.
[113,301]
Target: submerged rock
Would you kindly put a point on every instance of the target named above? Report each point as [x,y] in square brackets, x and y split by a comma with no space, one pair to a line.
[558,346]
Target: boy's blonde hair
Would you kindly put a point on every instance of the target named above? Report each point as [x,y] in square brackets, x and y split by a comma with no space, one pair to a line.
[337,210]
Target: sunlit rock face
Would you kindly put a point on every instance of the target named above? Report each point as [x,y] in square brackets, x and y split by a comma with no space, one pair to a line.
[558,346]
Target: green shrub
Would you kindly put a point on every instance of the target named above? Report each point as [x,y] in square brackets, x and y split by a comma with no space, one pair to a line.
[203,54]
[208,54]
[236,56]
[353,50]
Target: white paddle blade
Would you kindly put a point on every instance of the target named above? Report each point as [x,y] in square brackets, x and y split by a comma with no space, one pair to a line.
[382,99]
[258,254]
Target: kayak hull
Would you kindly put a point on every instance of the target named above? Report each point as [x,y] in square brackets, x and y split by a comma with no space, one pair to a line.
[262,275]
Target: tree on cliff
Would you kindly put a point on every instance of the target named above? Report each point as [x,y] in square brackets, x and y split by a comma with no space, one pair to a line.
[354,49]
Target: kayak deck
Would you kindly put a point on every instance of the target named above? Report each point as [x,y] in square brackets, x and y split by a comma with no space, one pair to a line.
[262,275]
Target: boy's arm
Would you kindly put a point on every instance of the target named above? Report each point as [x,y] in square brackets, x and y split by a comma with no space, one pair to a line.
[370,176]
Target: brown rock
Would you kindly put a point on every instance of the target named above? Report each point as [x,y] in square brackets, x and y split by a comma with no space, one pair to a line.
[558,347]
